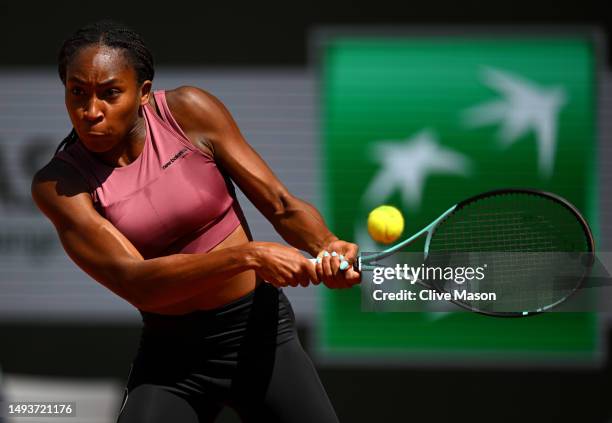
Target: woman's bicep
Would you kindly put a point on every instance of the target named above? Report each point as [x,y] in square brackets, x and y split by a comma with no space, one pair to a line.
[101,251]
[91,241]
[237,158]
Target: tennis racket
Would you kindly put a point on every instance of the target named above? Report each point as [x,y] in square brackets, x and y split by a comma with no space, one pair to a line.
[537,247]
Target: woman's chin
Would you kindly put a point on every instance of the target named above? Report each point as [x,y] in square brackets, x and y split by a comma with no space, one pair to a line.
[96,144]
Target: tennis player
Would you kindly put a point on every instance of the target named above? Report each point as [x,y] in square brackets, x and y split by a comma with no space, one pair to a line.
[141,196]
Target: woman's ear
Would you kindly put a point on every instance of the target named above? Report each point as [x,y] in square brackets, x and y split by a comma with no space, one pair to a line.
[145,92]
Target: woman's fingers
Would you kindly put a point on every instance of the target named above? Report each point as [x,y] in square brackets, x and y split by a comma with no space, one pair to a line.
[336,270]
[327,269]
[319,270]
[330,272]
[312,274]
[331,268]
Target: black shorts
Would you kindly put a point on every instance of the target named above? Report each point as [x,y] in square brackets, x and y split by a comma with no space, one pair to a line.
[245,355]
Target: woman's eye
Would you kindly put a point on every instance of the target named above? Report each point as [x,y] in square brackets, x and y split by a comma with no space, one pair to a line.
[112,92]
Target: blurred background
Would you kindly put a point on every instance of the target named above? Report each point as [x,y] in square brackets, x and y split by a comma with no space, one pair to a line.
[475,95]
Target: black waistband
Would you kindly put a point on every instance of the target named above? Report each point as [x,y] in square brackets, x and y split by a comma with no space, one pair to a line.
[153,320]
[265,310]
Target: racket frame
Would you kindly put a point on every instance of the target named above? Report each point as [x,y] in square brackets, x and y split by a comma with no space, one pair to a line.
[367,263]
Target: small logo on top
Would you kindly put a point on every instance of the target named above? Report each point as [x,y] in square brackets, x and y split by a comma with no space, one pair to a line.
[174,158]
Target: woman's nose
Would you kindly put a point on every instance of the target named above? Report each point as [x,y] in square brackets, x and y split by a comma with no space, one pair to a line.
[92,110]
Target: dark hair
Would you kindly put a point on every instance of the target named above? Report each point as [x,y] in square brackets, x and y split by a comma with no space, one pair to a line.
[111,34]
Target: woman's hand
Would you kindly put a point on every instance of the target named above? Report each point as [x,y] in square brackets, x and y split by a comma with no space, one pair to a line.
[282,266]
[335,265]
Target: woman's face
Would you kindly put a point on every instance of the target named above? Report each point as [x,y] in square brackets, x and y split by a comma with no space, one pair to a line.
[103,97]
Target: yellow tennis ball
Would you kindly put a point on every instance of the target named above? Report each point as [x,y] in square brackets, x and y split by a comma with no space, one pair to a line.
[385,224]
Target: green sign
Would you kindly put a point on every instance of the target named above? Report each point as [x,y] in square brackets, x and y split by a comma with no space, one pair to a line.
[422,123]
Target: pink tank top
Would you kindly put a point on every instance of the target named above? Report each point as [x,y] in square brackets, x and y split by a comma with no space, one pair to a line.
[172,199]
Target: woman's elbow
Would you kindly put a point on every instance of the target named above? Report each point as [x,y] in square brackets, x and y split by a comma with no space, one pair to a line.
[123,279]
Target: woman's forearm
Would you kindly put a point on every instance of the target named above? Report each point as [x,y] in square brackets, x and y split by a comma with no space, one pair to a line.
[302,226]
[163,281]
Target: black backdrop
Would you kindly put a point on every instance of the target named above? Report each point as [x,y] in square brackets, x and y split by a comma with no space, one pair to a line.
[221,32]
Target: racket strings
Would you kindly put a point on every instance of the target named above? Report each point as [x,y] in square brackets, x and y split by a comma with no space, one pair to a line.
[501,231]
[525,240]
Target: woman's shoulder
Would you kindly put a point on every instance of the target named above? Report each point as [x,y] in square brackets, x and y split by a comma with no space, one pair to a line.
[56,184]
[195,110]
[61,171]
[193,104]
[189,95]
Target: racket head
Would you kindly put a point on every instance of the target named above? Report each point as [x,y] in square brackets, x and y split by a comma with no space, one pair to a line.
[532,239]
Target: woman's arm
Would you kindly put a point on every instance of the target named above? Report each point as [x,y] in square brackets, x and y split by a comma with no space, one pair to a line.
[98,248]
[298,222]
